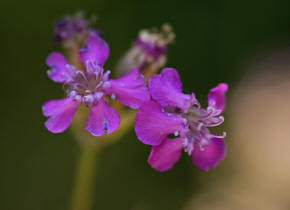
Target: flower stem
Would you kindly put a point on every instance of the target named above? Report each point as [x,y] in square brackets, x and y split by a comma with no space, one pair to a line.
[83,193]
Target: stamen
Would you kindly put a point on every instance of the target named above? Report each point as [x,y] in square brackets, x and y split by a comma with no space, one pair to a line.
[72,94]
[90,67]
[98,95]
[89,99]
[78,98]
[113,96]
[99,85]
[106,75]
[188,145]
[206,115]
[199,126]
[219,136]
[185,142]
[214,121]
[80,77]
[70,69]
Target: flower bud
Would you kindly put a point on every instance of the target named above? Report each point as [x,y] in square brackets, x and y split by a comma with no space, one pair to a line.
[148,52]
[74,29]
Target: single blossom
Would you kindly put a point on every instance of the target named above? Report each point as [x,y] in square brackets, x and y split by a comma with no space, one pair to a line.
[174,121]
[92,87]
[74,27]
[148,49]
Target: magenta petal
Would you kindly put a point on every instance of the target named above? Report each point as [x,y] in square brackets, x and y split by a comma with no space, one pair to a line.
[96,50]
[102,119]
[57,62]
[165,155]
[166,89]
[152,125]
[130,89]
[211,154]
[60,113]
[217,97]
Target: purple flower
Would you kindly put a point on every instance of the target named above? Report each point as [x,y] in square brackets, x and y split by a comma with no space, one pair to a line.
[72,27]
[174,121]
[92,87]
[149,48]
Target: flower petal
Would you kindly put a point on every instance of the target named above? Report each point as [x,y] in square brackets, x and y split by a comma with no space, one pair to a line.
[165,155]
[60,113]
[130,89]
[102,119]
[96,50]
[153,125]
[217,97]
[166,89]
[211,154]
[57,62]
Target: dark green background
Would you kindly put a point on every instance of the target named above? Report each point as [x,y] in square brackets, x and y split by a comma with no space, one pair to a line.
[214,39]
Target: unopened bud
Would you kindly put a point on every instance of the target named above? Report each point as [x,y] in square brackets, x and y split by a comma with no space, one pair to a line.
[148,52]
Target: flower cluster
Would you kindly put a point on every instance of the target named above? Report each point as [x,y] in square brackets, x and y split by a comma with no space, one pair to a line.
[173,121]
[73,28]
[92,87]
[149,48]
[167,119]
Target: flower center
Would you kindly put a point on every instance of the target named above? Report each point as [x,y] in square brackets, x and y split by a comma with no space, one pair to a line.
[87,87]
[197,132]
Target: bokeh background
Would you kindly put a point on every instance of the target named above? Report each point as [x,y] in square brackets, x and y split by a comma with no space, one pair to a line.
[244,43]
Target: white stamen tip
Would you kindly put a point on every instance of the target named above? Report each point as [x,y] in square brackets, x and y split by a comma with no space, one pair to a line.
[199,126]
[72,94]
[78,98]
[98,95]
[89,98]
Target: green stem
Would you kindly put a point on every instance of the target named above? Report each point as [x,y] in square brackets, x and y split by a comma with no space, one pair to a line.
[82,197]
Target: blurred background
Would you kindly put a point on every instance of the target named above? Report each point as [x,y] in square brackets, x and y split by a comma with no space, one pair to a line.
[244,43]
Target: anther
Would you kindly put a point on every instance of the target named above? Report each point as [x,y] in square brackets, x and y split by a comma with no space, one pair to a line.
[113,96]
[89,99]
[106,75]
[78,98]
[98,95]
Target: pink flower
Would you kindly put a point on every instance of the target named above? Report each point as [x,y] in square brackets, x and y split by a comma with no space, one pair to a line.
[173,113]
[94,88]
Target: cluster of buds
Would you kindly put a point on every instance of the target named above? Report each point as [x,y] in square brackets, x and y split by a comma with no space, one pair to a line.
[148,52]
[73,29]
[167,119]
